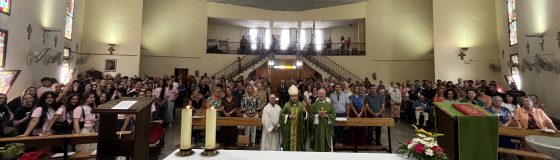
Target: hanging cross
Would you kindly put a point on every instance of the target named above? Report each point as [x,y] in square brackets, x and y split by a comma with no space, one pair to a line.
[528,46]
[55,40]
[29,30]
[111,49]
[462,55]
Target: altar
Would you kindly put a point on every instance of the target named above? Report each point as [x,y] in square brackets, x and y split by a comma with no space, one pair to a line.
[279,155]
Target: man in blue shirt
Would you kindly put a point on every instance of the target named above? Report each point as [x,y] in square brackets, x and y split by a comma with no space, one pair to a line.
[339,102]
[375,107]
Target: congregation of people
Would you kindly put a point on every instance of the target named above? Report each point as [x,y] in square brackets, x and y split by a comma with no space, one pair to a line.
[298,116]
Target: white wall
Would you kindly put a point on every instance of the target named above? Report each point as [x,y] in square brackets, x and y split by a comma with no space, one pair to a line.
[174,34]
[472,24]
[539,16]
[113,22]
[38,13]
[225,32]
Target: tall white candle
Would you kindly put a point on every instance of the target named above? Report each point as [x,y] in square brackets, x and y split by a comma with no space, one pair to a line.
[210,142]
[186,128]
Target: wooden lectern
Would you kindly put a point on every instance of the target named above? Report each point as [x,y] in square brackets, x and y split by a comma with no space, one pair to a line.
[466,137]
[109,144]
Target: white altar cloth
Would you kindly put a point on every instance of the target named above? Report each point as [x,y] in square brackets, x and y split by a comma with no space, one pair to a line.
[281,155]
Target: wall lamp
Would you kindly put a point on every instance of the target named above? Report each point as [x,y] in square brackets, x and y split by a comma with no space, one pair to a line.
[541,39]
[462,52]
[111,48]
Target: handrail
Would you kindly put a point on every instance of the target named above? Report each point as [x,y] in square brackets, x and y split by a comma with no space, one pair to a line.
[331,49]
[240,65]
[332,67]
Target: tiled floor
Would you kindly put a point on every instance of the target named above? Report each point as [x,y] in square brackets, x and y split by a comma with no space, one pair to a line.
[399,134]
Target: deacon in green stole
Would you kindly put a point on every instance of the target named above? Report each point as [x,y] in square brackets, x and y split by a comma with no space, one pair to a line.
[321,120]
[292,123]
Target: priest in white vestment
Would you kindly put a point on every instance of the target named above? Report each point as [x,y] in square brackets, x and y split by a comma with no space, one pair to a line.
[271,128]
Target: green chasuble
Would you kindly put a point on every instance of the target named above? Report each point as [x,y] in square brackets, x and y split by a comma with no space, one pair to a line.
[321,128]
[293,130]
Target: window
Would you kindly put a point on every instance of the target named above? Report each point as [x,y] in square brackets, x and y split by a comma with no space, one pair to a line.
[267,39]
[512,22]
[3,46]
[5,6]
[253,38]
[318,40]
[284,39]
[69,19]
[302,39]
[515,70]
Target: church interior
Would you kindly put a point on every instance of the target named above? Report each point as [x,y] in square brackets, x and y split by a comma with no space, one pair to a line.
[282,79]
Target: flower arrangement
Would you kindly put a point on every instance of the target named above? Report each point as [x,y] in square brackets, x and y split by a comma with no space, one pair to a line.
[423,147]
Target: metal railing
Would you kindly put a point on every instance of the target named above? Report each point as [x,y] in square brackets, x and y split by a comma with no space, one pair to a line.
[294,48]
[241,64]
[331,67]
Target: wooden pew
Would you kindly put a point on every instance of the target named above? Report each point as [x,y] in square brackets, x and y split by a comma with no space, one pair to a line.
[58,140]
[521,134]
[239,121]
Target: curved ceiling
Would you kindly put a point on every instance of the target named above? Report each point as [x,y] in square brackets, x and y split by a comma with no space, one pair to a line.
[288,5]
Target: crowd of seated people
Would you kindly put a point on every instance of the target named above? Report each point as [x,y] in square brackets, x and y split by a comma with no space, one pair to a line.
[54,108]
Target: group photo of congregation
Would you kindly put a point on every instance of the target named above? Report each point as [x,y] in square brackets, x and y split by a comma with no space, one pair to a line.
[284,79]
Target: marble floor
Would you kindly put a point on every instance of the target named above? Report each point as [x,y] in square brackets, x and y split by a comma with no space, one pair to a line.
[399,134]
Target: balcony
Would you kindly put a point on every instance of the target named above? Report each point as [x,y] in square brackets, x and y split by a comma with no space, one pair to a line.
[295,48]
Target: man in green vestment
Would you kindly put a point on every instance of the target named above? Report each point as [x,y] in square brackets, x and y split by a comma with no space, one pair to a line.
[292,123]
[320,124]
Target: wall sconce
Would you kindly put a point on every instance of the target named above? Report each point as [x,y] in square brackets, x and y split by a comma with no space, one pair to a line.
[541,39]
[47,30]
[111,48]
[462,52]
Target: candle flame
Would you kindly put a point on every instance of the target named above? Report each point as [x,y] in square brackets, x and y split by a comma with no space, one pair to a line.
[188,107]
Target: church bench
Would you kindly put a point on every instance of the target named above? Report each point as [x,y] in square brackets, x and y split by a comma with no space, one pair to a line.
[523,153]
[63,140]
[521,134]
[363,122]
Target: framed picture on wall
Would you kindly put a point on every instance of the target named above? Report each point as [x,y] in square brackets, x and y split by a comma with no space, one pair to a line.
[110,65]
[3,46]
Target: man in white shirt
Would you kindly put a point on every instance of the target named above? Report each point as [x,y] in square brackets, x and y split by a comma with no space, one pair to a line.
[270,119]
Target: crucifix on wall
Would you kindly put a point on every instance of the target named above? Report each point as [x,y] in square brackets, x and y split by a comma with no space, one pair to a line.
[29,30]
[462,53]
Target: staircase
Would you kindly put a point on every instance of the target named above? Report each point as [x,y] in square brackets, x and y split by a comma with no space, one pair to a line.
[239,67]
[318,62]
[330,67]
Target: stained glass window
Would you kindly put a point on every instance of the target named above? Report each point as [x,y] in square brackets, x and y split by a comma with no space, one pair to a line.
[7,79]
[3,46]
[69,19]
[515,70]
[5,6]
[512,22]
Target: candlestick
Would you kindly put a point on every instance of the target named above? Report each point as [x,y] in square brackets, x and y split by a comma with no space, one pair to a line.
[186,129]
[210,138]
[185,148]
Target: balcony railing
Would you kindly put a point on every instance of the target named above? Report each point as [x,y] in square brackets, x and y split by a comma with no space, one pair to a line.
[294,48]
